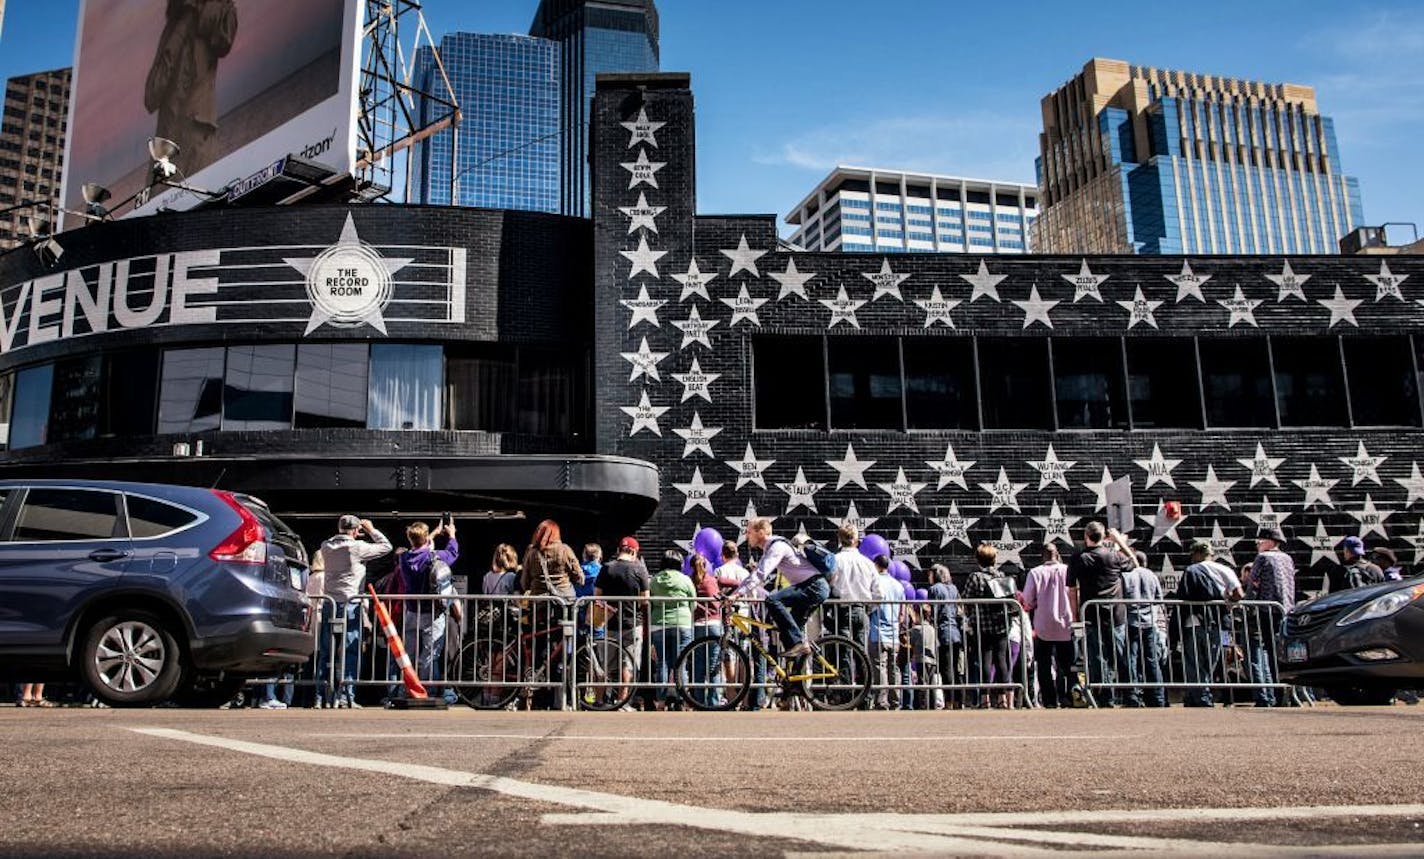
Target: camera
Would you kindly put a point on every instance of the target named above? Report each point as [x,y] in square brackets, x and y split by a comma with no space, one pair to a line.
[446,520]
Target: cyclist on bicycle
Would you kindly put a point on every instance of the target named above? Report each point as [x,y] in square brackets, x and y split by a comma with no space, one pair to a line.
[806,588]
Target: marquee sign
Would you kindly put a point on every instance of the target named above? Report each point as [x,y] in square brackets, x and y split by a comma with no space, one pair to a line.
[349,284]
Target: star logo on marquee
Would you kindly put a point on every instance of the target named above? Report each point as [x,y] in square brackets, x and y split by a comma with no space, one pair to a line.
[698,438]
[642,215]
[349,284]
[793,282]
[645,416]
[1386,283]
[1363,466]
[1086,284]
[985,285]
[643,129]
[954,527]
[1289,284]
[697,493]
[1242,309]
[1262,467]
[1188,283]
[886,281]
[643,171]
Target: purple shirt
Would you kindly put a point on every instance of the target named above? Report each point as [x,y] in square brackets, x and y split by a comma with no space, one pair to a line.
[413,561]
[1046,594]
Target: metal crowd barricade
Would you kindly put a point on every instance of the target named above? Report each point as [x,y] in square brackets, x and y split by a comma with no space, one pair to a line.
[621,653]
[1200,648]
[312,675]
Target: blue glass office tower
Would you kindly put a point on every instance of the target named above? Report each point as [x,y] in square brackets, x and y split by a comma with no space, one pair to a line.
[594,36]
[1142,160]
[508,91]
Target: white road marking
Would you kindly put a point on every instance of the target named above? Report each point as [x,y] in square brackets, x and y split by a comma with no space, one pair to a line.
[991,834]
[738,738]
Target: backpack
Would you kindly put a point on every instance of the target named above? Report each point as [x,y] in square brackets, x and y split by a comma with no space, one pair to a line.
[816,555]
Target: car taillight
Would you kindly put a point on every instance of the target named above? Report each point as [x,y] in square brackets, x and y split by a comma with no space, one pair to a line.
[246,545]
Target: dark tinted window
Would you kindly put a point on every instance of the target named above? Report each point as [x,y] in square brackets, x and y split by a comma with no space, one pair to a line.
[1089,383]
[1382,383]
[29,420]
[939,383]
[257,392]
[67,514]
[7,399]
[190,395]
[1236,379]
[1013,379]
[789,382]
[548,395]
[75,401]
[130,393]
[483,390]
[1310,384]
[1162,383]
[865,382]
[149,518]
[331,388]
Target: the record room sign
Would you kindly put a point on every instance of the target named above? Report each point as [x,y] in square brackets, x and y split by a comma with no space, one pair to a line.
[347,285]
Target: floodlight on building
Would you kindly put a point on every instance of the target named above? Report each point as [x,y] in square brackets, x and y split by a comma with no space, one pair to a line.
[49,251]
[163,151]
[95,196]
[38,226]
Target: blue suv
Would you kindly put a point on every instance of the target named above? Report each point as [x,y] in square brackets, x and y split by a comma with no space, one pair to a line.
[147,592]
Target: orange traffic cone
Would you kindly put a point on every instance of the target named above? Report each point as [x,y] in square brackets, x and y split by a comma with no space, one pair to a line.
[393,640]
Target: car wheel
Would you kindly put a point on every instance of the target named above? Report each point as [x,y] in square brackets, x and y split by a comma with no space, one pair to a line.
[1355,696]
[208,692]
[130,659]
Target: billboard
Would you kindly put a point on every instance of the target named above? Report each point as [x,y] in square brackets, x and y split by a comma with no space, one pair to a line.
[237,84]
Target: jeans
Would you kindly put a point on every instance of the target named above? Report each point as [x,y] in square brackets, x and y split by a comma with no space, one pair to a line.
[907,680]
[350,614]
[1054,661]
[1144,665]
[1261,643]
[849,622]
[790,606]
[668,642]
[1201,648]
[707,664]
[1107,653]
[423,635]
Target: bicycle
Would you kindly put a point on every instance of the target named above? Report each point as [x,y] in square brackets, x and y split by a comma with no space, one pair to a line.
[506,670]
[835,675]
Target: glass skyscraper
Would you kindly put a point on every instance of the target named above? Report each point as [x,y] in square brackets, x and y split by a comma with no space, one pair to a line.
[508,91]
[594,36]
[1135,159]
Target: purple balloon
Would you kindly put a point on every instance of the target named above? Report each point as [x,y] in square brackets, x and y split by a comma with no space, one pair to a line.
[872,545]
[708,544]
[921,594]
[900,570]
[909,590]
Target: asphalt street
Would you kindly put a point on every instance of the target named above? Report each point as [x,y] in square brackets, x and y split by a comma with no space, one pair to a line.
[1323,781]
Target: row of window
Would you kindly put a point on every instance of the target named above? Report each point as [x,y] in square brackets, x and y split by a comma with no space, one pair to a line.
[60,515]
[284,386]
[1083,383]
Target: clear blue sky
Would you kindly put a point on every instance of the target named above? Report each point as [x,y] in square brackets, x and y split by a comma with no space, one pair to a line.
[787,88]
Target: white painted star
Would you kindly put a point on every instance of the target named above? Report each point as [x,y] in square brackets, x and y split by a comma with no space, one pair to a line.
[850,469]
[698,438]
[1163,526]
[1289,284]
[694,282]
[1363,466]
[750,469]
[1341,309]
[886,281]
[906,548]
[1010,550]
[1414,484]
[1140,310]
[1262,467]
[1322,545]
[985,285]
[1221,545]
[1417,541]
[1052,470]
[698,493]
[744,307]
[1159,470]
[1036,309]
[743,258]
[842,309]
[1189,284]
[1100,490]
[1212,491]
[862,524]
[1317,489]
[644,308]
[695,329]
[350,250]
[950,469]
[1242,309]
[1268,516]
[1387,284]
[801,492]
[645,416]
[937,308]
[954,527]
[1371,518]
[741,521]
[643,129]
[645,362]
[793,282]
[642,215]
[1003,493]
[1086,284]
[644,259]
[696,383]
[643,171]
[902,492]
[1056,525]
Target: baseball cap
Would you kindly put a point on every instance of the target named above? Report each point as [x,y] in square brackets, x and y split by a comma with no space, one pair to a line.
[629,543]
[1354,544]
[347,522]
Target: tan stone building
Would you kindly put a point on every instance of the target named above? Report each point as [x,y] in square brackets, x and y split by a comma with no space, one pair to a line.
[32,149]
